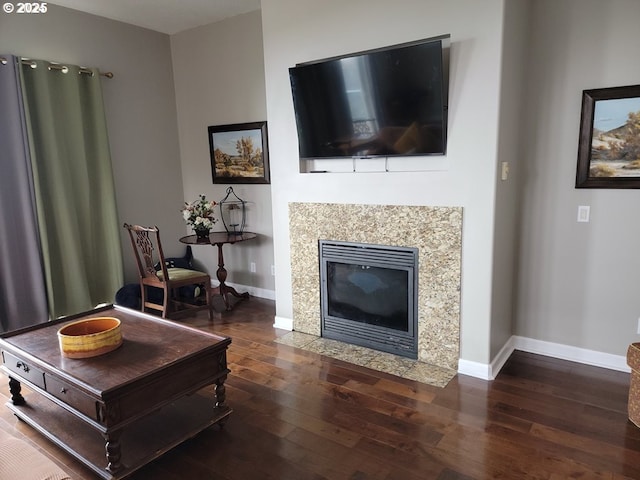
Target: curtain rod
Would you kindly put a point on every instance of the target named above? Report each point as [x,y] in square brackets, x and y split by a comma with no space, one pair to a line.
[57,66]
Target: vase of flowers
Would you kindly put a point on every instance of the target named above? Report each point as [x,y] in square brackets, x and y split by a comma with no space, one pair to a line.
[199,216]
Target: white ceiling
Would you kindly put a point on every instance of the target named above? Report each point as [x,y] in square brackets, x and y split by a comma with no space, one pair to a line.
[166,16]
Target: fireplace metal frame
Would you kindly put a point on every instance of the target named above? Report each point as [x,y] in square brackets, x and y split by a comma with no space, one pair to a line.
[359,333]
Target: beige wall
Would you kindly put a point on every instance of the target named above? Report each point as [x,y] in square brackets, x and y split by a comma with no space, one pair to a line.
[508,192]
[578,282]
[139,103]
[219,77]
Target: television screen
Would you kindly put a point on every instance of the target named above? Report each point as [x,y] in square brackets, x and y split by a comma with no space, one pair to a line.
[384,102]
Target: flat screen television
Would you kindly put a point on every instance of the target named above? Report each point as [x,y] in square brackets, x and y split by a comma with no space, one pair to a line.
[378,103]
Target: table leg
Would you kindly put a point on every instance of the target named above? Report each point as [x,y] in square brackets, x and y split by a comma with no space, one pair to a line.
[15,388]
[225,289]
[221,393]
[221,396]
[113,450]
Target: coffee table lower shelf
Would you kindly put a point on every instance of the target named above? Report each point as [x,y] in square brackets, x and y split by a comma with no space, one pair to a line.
[141,441]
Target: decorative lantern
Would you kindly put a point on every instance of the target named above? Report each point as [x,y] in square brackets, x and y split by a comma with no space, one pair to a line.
[232,212]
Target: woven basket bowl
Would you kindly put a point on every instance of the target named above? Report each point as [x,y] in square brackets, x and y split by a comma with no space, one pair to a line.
[90,337]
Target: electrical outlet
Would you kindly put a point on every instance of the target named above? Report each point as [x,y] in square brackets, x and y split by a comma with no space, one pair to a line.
[639,326]
[252,266]
[273,272]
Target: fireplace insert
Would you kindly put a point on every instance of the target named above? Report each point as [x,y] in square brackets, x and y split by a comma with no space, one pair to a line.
[369,295]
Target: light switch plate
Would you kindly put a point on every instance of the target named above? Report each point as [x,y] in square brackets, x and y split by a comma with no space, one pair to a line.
[583,213]
[505,171]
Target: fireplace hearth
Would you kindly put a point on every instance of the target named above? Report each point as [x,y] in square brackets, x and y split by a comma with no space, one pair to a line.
[369,295]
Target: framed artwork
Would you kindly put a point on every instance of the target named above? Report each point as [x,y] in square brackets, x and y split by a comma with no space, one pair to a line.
[239,153]
[609,144]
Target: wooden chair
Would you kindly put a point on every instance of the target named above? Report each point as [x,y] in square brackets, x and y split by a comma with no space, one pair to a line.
[147,250]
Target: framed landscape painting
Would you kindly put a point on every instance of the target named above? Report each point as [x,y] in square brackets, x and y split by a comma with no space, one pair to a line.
[609,145]
[239,153]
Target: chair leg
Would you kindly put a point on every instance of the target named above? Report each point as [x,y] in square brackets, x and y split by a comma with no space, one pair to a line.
[143,297]
[166,302]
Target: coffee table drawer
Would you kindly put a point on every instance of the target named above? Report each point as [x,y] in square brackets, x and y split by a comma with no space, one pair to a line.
[23,369]
[72,396]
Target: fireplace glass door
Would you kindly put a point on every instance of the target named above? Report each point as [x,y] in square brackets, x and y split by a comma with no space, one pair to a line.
[369,295]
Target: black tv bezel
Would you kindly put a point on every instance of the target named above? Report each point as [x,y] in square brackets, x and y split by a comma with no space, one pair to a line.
[445,44]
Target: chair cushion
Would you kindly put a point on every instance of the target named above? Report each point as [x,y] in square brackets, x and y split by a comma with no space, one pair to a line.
[181,274]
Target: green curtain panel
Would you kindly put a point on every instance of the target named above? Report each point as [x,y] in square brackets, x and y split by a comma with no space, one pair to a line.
[73,179]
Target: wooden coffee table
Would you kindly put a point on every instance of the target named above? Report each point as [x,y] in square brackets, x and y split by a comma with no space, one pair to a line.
[119,411]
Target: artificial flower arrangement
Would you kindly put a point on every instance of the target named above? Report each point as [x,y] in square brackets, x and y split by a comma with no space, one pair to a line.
[199,215]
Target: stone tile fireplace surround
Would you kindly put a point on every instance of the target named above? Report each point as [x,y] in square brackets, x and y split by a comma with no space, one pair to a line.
[435,231]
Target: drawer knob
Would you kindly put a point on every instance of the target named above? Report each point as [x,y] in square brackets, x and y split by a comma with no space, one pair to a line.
[23,366]
[63,390]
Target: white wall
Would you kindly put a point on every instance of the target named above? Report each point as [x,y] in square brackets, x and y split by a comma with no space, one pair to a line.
[301,30]
[139,103]
[219,78]
[578,282]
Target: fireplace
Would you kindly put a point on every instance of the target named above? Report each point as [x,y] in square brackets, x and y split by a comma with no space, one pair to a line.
[368,295]
[436,233]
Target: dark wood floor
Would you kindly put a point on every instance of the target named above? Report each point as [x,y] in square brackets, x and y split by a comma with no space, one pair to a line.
[298,415]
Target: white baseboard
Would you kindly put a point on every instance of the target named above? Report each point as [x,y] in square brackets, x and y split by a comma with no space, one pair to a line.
[283,323]
[573,354]
[487,371]
[541,347]
[253,291]
[475,369]
[501,358]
